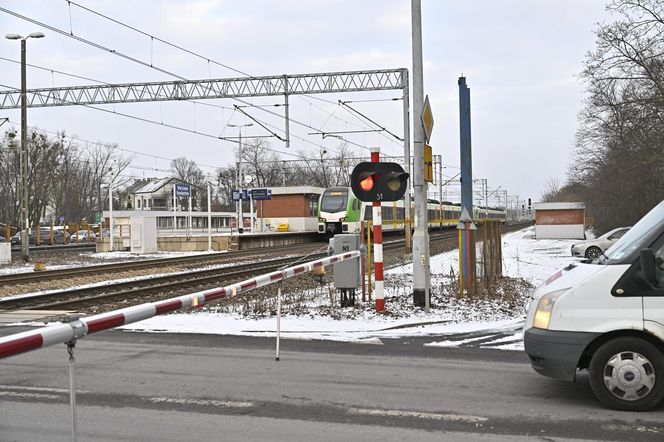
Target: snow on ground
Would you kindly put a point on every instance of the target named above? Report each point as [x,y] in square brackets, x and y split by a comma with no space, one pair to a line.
[534,260]
[486,323]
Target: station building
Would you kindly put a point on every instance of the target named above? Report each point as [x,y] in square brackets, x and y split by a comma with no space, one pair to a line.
[293,209]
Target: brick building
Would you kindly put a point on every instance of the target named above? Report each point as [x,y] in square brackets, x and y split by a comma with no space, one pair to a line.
[560,220]
[295,206]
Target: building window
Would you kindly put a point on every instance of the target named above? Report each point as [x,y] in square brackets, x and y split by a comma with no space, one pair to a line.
[138,203]
[159,203]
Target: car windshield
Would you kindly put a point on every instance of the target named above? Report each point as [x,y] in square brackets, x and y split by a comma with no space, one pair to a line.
[634,238]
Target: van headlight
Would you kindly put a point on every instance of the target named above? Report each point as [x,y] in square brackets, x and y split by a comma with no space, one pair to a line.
[545,309]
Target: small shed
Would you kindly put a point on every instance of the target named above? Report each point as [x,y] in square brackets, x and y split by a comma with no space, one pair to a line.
[560,220]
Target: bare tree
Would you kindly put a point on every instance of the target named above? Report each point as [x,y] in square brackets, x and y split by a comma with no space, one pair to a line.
[619,160]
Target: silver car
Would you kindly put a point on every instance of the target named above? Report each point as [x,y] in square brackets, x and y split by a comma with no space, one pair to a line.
[593,248]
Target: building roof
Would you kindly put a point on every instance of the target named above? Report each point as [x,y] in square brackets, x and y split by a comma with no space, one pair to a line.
[560,206]
[154,186]
[136,185]
[297,190]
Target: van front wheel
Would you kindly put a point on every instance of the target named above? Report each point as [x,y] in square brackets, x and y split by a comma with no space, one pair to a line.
[628,374]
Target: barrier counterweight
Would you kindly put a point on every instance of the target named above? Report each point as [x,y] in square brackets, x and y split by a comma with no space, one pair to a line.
[61,333]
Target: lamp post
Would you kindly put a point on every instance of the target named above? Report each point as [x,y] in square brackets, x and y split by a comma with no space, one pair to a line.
[209,211]
[25,222]
[238,181]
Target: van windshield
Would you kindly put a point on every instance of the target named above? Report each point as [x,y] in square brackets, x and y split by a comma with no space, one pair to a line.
[634,238]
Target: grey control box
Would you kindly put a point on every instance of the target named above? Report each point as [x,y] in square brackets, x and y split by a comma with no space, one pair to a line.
[346,273]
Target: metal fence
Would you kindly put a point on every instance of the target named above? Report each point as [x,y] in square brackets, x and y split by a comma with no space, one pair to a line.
[445,258]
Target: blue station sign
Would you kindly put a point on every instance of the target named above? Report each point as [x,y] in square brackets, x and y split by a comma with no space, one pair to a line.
[182,190]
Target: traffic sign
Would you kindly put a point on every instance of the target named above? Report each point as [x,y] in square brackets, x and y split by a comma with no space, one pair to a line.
[427,119]
[261,194]
[428,164]
[182,190]
[98,217]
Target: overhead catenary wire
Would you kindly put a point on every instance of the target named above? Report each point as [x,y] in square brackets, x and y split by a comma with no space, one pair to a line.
[150,65]
[192,101]
[171,126]
[195,54]
[113,146]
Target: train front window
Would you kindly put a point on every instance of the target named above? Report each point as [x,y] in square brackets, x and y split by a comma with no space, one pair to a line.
[334,201]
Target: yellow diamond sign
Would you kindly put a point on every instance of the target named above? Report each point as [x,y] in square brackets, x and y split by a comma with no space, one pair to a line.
[427,119]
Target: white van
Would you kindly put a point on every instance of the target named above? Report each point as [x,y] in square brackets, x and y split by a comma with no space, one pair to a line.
[606,316]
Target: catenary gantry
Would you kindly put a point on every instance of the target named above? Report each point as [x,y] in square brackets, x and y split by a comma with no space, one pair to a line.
[298,84]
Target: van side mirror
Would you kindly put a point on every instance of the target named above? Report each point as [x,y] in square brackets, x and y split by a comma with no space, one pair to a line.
[648,266]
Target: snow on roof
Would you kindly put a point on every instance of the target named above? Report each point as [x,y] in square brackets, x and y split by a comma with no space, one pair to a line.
[559,206]
[153,186]
[297,190]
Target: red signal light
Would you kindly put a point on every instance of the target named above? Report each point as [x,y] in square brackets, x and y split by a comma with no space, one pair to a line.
[367,184]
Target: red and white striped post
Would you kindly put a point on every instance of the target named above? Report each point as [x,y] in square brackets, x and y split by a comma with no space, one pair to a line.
[378,242]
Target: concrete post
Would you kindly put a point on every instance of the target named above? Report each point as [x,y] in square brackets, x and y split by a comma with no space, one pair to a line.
[421,236]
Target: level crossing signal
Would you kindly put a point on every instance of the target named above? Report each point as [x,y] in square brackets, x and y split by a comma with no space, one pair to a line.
[378,181]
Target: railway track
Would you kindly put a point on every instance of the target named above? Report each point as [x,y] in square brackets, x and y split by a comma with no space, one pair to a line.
[139,290]
[102,297]
[124,266]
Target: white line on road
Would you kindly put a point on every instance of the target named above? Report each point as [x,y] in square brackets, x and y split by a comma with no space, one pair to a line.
[204,402]
[29,395]
[38,389]
[419,415]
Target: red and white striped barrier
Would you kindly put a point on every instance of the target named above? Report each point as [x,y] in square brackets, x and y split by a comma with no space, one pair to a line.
[61,333]
[378,242]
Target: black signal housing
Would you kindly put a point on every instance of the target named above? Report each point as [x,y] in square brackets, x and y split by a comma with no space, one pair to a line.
[389,181]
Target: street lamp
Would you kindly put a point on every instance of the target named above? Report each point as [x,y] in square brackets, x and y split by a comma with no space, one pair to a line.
[25,222]
[238,181]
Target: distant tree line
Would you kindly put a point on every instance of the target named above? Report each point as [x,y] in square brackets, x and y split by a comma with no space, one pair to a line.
[71,181]
[618,167]
[64,180]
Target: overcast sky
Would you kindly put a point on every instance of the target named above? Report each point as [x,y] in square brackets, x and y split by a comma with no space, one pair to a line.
[521,59]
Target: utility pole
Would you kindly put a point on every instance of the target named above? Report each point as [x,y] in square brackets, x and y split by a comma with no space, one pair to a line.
[240,221]
[466,224]
[421,236]
[406,159]
[25,221]
[209,207]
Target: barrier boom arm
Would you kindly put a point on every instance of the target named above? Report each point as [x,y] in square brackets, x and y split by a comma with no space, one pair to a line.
[65,332]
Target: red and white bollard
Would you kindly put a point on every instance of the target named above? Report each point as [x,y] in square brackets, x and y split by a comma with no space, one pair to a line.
[378,242]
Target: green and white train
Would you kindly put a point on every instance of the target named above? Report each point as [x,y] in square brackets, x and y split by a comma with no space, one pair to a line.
[340,212]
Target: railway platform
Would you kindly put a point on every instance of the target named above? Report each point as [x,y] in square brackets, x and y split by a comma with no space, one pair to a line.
[198,242]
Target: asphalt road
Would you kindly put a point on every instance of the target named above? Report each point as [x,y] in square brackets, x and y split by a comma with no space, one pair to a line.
[139,386]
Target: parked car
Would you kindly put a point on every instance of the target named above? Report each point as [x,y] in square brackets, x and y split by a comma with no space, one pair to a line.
[606,316]
[593,248]
[83,235]
[44,236]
